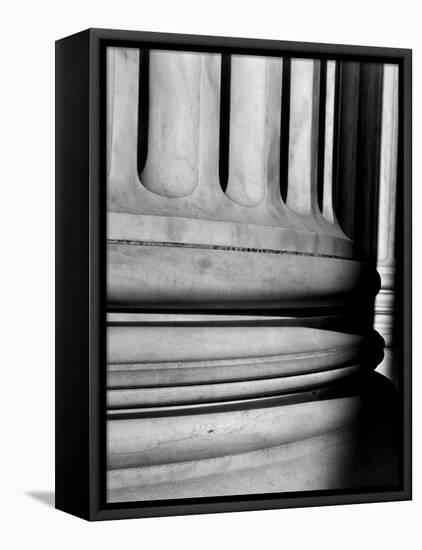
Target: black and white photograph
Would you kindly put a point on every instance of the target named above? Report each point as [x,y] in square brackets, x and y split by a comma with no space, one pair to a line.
[210,283]
[254,283]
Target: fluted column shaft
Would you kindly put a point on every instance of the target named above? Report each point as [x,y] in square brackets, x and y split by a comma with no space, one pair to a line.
[197,399]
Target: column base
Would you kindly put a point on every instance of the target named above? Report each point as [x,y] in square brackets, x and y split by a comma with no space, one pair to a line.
[328,439]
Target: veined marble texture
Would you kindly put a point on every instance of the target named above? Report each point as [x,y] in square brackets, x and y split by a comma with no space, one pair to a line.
[308,441]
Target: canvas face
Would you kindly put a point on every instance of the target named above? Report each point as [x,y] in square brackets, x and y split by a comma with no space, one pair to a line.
[253,344]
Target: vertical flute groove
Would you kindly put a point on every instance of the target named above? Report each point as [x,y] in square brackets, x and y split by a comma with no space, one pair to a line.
[143,110]
[321,133]
[284,128]
[225,87]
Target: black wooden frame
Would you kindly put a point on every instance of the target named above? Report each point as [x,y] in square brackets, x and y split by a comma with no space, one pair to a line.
[80,271]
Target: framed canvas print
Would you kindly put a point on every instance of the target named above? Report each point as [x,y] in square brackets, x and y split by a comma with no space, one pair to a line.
[233,274]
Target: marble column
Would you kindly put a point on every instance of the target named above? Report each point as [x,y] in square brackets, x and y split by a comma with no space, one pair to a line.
[384,304]
[254,127]
[252,375]
[249,402]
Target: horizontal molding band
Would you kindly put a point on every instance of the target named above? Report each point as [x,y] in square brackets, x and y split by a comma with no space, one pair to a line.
[150,366]
[180,277]
[223,247]
[232,405]
[339,320]
[189,343]
[303,234]
[131,375]
[199,393]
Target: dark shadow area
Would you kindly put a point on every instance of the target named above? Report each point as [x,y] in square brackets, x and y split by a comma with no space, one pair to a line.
[45,497]
[373,455]
[224,120]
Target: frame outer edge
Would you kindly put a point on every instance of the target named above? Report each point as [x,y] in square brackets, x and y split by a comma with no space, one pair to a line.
[92,495]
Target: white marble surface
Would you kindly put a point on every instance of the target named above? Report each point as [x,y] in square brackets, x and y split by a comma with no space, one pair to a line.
[225,391]
[200,341]
[303,145]
[254,127]
[178,438]
[305,446]
[192,412]
[139,365]
[177,276]
[182,230]
[323,462]
[190,188]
